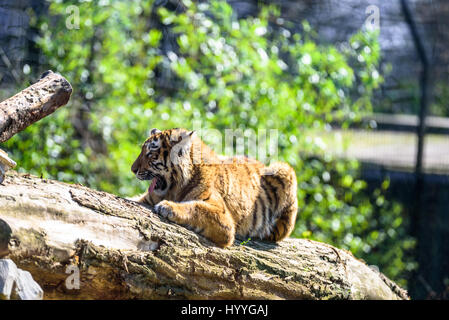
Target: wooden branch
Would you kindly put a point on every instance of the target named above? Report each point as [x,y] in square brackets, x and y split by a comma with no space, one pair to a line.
[33,103]
[125,251]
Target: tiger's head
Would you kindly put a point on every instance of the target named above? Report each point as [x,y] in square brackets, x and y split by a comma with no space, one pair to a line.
[164,152]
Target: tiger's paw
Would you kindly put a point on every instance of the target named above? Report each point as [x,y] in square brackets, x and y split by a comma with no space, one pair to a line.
[165,209]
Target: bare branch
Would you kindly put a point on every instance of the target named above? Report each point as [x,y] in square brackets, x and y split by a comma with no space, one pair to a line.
[33,103]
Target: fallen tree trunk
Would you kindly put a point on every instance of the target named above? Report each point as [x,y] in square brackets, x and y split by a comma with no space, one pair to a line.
[123,250]
[33,103]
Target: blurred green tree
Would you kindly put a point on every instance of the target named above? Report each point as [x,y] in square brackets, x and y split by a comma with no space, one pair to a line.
[225,73]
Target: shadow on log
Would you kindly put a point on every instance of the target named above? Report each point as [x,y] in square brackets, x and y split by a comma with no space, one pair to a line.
[122,250]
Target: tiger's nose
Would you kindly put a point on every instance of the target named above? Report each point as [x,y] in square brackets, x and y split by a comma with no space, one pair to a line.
[135,166]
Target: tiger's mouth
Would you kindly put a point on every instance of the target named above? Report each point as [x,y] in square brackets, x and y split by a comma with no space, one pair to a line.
[158,181]
[152,185]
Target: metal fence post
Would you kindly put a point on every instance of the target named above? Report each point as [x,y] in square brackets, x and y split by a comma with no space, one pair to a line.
[416,212]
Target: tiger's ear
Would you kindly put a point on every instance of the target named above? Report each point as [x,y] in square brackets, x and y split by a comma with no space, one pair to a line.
[154,131]
[181,147]
[184,137]
[189,135]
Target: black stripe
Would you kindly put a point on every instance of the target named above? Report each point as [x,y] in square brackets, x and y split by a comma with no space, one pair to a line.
[276,200]
[270,194]
[264,217]
[226,170]
[260,205]
[255,216]
[279,180]
[266,191]
[187,189]
[160,164]
[165,157]
[274,191]
[276,231]
[267,216]
[175,172]
[172,183]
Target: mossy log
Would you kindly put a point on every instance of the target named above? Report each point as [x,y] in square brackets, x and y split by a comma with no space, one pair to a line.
[124,251]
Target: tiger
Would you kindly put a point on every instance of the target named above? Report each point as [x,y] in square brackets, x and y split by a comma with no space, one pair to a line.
[217,197]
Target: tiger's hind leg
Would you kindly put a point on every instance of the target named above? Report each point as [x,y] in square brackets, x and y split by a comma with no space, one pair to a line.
[282,178]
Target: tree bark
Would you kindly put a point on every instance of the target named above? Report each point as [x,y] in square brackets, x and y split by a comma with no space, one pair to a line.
[123,250]
[33,103]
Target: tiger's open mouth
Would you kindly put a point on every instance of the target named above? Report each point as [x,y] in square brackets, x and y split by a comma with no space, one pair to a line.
[157,181]
[152,185]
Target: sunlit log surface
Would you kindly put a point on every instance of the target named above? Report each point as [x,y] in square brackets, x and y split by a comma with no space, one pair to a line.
[123,250]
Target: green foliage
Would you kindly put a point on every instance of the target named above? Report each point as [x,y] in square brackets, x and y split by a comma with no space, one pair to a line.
[228,74]
[439,106]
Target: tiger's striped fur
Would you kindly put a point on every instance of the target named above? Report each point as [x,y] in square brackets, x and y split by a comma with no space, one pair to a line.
[218,197]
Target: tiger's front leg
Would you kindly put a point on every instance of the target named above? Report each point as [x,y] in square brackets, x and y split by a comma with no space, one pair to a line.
[210,219]
[147,198]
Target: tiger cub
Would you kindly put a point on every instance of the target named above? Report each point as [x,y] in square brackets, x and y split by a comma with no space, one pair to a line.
[217,197]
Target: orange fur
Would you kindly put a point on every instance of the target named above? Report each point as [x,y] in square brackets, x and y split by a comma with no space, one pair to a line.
[216,196]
